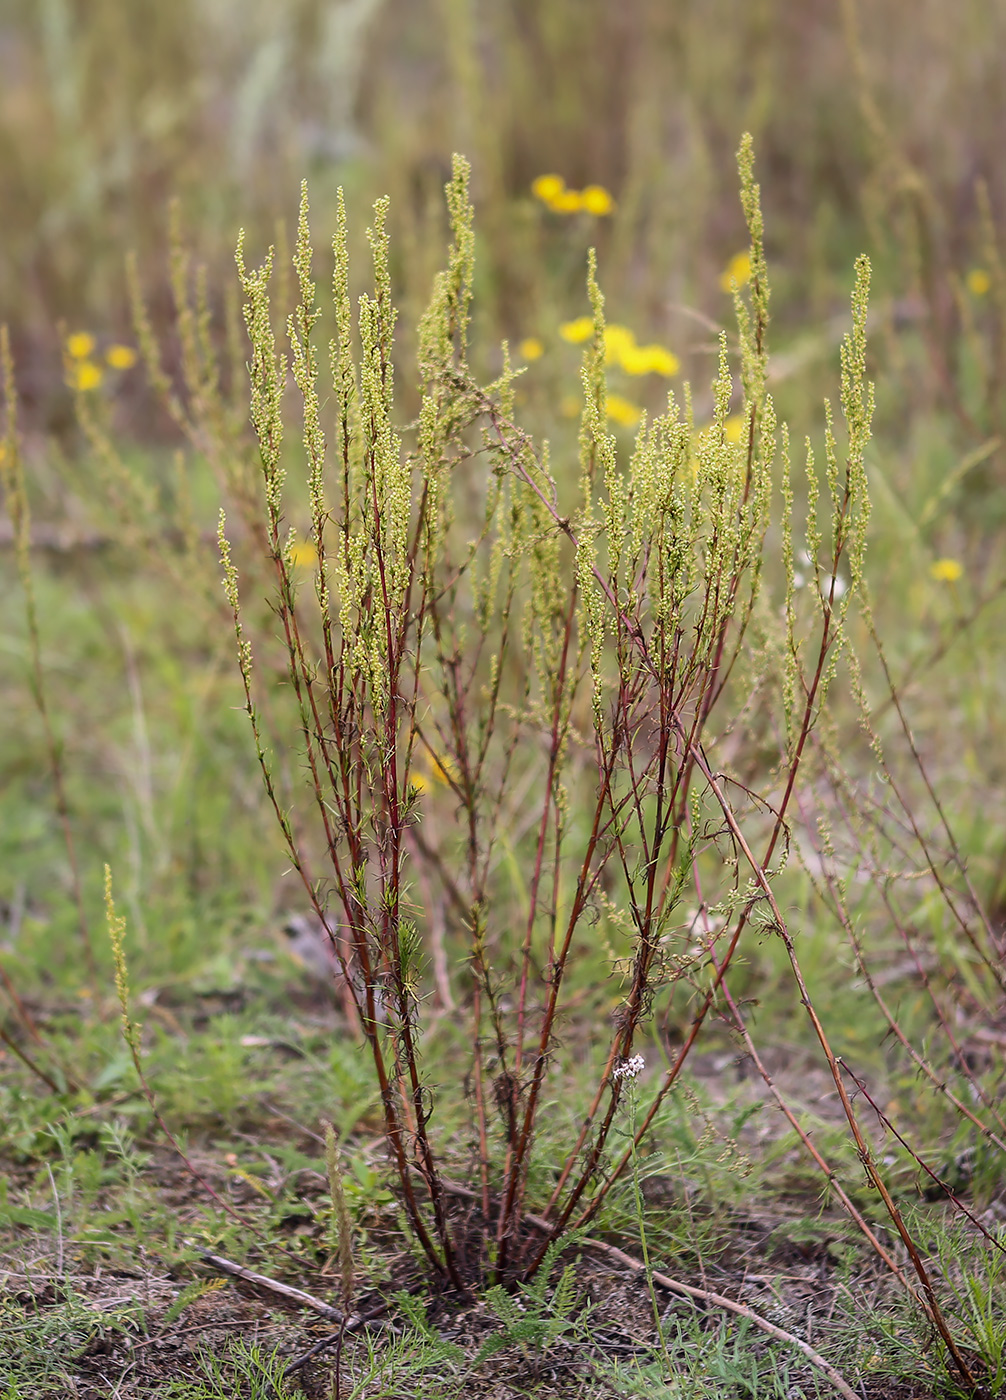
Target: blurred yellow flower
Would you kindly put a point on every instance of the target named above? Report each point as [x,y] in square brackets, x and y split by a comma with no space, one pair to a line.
[733,428]
[622,411]
[303,554]
[620,348]
[649,359]
[444,770]
[531,349]
[547,187]
[946,570]
[551,190]
[79,345]
[618,341]
[978,282]
[435,770]
[570,406]
[577,331]
[634,359]
[84,375]
[566,202]
[596,200]
[738,270]
[120,356]
[663,361]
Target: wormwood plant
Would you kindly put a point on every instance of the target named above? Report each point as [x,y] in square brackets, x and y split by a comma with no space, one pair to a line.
[513,681]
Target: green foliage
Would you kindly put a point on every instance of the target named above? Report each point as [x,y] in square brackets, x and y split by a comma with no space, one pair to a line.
[540,1314]
[411,1357]
[38,1348]
[189,1294]
[712,1364]
[243,1369]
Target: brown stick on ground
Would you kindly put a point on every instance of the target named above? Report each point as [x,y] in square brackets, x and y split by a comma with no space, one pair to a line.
[295,1295]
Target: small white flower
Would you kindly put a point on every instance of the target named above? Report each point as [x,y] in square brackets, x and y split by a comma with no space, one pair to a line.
[629,1069]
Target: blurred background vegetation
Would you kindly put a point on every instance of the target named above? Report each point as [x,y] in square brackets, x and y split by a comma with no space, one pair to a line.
[874,132]
[878,128]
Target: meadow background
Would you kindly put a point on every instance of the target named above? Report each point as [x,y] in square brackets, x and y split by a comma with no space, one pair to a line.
[132,130]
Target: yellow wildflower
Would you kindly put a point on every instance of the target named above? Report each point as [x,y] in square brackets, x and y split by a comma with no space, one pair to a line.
[978,281]
[566,202]
[649,359]
[570,406]
[622,411]
[733,428]
[946,570]
[634,360]
[531,349]
[444,770]
[303,554]
[738,270]
[433,771]
[618,342]
[577,331]
[663,361]
[596,200]
[84,375]
[551,190]
[547,187]
[120,356]
[79,345]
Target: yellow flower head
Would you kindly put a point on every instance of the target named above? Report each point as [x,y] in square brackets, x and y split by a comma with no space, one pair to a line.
[79,345]
[570,406]
[622,411]
[663,362]
[547,187]
[738,270]
[733,428]
[596,200]
[619,341]
[651,359]
[635,359]
[303,554]
[577,331]
[978,281]
[946,570]
[531,349]
[566,202]
[84,375]
[444,770]
[120,356]
[436,771]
